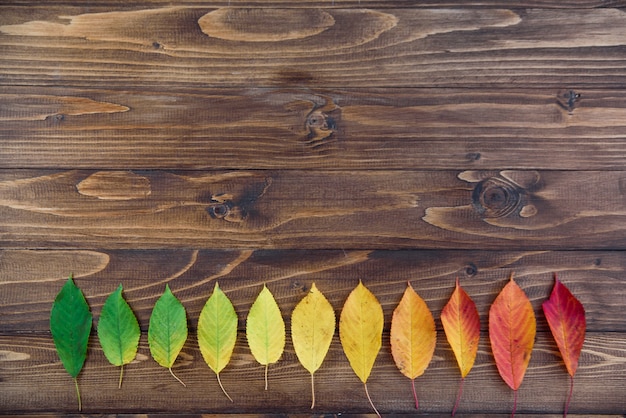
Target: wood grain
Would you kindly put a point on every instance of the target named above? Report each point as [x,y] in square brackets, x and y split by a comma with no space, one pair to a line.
[242,47]
[313,209]
[160,128]
[30,279]
[546,382]
[283,142]
[535,4]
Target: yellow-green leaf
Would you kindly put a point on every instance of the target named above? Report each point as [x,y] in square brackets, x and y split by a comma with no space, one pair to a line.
[167,331]
[312,329]
[413,336]
[265,330]
[217,332]
[360,331]
[118,331]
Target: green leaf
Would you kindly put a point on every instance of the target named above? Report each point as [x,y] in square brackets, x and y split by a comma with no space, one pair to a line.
[217,332]
[167,331]
[265,330]
[70,325]
[118,331]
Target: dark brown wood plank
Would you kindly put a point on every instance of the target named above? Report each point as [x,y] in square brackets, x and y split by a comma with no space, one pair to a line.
[34,380]
[159,128]
[30,279]
[276,415]
[200,46]
[313,209]
[514,4]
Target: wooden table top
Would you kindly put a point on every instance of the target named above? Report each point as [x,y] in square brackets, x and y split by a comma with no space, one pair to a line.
[281,142]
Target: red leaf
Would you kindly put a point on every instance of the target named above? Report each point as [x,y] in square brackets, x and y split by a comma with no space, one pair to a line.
[512,329]
[566,318]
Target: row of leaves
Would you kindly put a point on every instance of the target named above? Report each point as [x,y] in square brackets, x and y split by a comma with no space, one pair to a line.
[512,328]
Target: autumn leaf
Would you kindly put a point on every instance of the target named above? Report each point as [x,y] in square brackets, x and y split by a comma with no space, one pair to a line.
[566,318]
[217,332]
[413,336]
[265,330]
[118,331]
[360,332]
[461,324]
[70,325]
[512,329]
[167,331]
[312,329]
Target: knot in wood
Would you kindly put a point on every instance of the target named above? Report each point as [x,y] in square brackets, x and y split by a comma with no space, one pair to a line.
[471,269]
[496,197]
[219,210]
[318,120]
[228,211]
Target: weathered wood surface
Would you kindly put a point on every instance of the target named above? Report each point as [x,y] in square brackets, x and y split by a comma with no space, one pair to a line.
[27,352]
[541,4]
[31,278]
[314,47]
[302,128]
[149,387]
[287,142]
[313,209]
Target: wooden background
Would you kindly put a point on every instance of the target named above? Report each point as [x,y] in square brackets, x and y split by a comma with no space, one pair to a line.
[287,142]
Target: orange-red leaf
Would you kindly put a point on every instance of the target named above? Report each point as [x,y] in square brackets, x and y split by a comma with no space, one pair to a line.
[512,329]
[566,318]
[461,325]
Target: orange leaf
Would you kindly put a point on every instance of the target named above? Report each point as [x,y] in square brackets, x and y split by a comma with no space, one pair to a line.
[461,324]
[413,336]
[512,328]
[566,318]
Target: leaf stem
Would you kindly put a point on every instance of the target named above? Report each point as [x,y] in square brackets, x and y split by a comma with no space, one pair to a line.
[569,398]
[176,377]
[266,367]
[514,403]
[80,403]
[312,392]
[417,405]
[119,386]
[222,387]
[370,399]
[458,397]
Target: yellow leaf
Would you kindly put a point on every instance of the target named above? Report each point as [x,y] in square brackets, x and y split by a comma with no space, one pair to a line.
[312,329]
[265,330]
[413,336]
[360,331]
